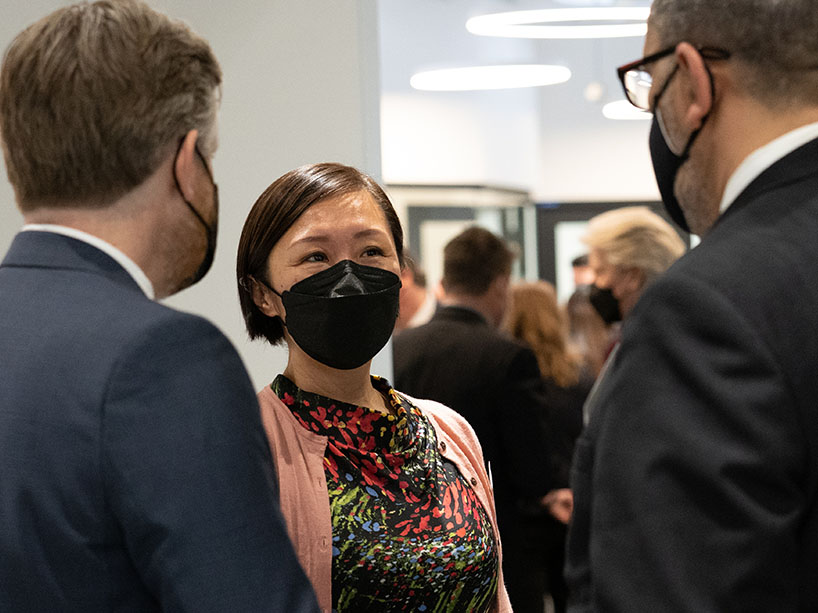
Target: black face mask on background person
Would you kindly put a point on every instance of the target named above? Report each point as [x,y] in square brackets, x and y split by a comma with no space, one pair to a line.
[211,231]
[343,315]
[606,304]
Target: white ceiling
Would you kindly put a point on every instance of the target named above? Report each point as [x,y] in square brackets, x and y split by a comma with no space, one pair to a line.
[551,140]
[423,34]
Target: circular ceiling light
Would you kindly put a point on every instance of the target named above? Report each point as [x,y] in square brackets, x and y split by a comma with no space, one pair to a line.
[490,77]
[624,110]
[564,23]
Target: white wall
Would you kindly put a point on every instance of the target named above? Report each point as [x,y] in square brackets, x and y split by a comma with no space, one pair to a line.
[300,86]
[460,138]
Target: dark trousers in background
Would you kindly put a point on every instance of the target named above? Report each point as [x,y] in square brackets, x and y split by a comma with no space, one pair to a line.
[533,559]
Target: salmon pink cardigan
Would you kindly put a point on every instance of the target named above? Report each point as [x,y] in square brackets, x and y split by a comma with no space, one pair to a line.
[299,461]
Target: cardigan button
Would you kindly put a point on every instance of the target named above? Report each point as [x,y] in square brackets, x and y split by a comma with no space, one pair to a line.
[442,446]
[473,482]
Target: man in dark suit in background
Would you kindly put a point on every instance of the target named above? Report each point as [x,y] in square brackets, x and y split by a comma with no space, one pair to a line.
[460,359]
[696,480]
[134,472]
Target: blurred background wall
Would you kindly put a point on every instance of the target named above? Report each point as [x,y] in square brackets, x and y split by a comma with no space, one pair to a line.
[319,80]
[301,85]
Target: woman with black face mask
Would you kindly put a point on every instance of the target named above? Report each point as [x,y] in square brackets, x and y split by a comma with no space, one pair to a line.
[630,247]
[385,497]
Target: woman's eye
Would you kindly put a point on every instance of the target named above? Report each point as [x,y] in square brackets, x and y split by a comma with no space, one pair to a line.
[316,257]
[373,251]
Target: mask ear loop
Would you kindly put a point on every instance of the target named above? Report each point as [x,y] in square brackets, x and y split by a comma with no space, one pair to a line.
[198,215]
[245,284]
[685,154]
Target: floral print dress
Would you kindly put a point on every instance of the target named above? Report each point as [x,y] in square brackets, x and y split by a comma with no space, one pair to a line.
[409,533]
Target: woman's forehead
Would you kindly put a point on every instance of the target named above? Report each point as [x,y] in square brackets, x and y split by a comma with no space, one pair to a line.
[352,213]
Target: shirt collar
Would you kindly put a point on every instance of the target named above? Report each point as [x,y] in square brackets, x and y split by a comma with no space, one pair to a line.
[123,260]
[761,159]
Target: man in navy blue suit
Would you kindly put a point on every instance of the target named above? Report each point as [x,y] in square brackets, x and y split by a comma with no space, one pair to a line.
[134,471]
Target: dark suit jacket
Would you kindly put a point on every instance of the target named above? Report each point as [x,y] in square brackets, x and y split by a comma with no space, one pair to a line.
[695,482]
[134,472]
[494,382]
[564,425]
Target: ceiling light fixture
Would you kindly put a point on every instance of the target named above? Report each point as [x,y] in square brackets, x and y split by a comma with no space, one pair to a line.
[563,23]
[624,110]
[490,77]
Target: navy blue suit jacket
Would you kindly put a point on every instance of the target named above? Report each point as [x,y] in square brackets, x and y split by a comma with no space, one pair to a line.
[696,480]
[134,471]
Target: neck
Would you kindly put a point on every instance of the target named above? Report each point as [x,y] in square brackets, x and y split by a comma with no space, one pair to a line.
[748,127]
[351,386]
[627,303]
[136,224]
[475,303]
[113,223]
[410,302]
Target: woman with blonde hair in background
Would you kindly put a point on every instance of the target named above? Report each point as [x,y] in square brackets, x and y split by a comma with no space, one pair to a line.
[534,317]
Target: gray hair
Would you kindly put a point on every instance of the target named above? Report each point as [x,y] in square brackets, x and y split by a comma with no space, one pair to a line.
[774,43]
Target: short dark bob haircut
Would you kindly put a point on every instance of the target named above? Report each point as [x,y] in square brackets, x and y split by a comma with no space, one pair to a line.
[276,210]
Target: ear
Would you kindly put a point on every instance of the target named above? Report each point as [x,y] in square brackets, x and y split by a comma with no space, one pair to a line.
[634,279]
[698,84]
[185,166]
[266,301]
[499,287]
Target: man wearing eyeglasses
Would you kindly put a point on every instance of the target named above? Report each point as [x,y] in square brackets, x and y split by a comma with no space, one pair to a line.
[696,481]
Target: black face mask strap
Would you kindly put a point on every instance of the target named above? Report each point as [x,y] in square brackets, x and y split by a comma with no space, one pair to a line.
[179,187]
[246,285]
[686,153]
[263,282]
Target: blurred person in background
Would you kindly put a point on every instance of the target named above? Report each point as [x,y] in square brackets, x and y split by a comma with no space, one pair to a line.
[587,331]
[417,303]
[386,497]
[534,318]
[582,273]
[461,358]
[630,248]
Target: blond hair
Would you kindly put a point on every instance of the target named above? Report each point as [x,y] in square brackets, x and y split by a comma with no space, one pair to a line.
[93,96]
[635,237]
[534,318]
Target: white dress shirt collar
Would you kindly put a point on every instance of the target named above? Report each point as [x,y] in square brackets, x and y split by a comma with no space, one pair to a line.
[761,159]
[123,260]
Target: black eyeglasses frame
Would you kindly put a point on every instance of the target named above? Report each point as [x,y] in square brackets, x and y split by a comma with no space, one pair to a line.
[708,53]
